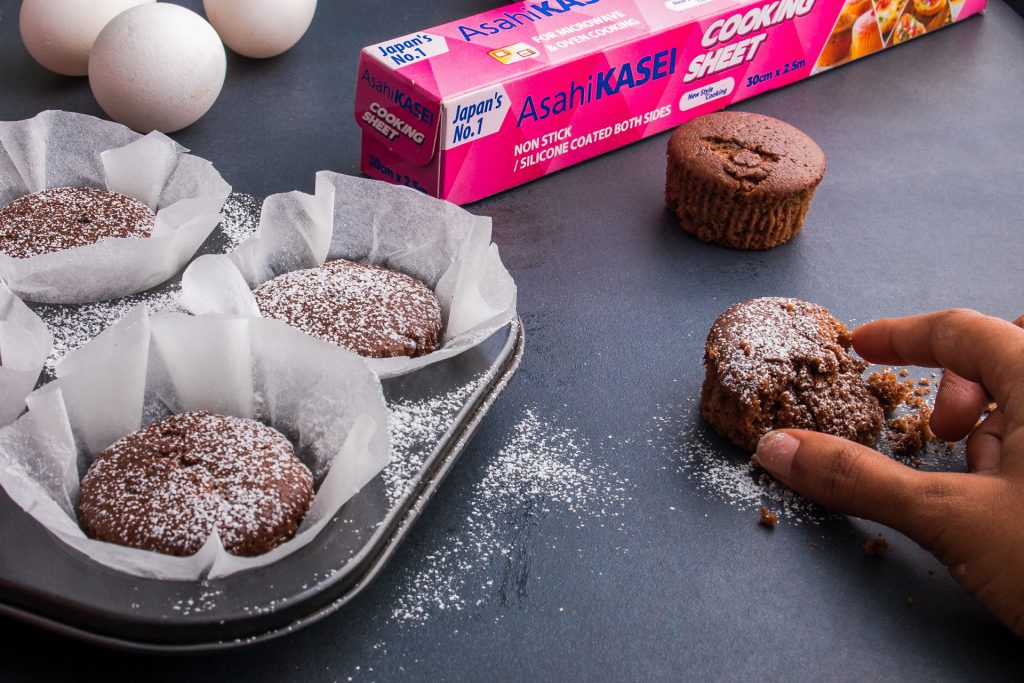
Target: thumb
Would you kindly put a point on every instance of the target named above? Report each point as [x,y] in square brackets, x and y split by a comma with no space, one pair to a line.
[847,477]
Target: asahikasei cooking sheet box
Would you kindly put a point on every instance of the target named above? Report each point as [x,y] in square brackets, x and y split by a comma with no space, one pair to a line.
[476,106]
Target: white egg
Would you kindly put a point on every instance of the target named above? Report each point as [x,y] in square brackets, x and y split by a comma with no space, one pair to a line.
[59,33]
[157,67]
[260,28]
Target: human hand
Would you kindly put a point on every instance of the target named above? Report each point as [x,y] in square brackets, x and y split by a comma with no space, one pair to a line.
[972,522]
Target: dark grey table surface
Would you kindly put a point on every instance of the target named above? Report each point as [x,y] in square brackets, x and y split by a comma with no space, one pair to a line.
[634,567]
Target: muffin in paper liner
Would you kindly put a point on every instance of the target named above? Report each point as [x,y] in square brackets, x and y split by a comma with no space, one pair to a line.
[374,223]
[24,345]
[328,404]
[64,149]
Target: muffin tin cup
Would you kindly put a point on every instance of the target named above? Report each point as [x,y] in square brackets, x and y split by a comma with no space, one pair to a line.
[24,345]
[145,368]
[370,222]
[63,149]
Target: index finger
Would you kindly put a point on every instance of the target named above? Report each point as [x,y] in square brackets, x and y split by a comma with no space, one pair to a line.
[977,347]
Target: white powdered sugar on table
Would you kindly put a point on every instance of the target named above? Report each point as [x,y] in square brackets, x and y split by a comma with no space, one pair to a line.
[241,218]
[539,462]
[719,470]
[541,468]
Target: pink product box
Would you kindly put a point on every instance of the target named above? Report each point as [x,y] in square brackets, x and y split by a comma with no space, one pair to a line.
[470,108]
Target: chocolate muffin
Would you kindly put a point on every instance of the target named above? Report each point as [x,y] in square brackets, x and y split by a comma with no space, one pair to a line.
[741,180]
[66,217]
[370,310]
[167,486]
[773,363]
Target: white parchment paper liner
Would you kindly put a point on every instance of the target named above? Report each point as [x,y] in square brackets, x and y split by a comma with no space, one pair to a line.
[444,246]
[63,149]
[24,345]
[139,371]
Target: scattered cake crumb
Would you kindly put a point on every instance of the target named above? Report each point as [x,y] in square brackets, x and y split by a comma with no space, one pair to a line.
[924,382]
[876,546]
[767,517]
[904,372]
[910,433]
[889,391]
[991,408]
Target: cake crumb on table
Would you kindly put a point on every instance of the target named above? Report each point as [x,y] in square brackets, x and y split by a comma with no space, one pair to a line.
[767,517]
[876,546]
[889,391]
[910,433]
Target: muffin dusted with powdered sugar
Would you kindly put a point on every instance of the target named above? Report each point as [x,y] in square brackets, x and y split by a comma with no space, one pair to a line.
[774,363]
[68,217]
[168,486]
[373,311]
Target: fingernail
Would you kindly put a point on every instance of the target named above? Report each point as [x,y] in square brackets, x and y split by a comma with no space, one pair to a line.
[775,452]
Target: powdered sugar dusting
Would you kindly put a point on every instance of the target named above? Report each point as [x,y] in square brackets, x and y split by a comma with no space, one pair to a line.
[541,467]
[720,471]
[166,487]
[371,310]
[774,363]
[205,601]
[416,427]
[73,325]
[66,217]
[240,219]
[758,341]
[539,462]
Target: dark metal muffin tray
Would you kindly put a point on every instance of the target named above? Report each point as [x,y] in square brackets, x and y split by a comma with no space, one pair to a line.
[48,584]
